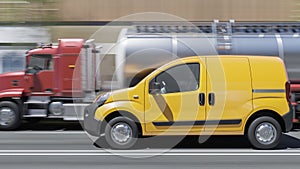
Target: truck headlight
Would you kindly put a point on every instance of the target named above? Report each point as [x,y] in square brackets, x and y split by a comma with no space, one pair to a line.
[102,99]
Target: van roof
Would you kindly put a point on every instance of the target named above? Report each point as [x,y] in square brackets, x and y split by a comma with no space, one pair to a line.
[262,58]
[227,56]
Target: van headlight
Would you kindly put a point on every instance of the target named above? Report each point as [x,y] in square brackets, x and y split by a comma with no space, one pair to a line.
[102,99]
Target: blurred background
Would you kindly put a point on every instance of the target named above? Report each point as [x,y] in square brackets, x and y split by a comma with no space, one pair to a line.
[108,10]
[67,18]
[23,23]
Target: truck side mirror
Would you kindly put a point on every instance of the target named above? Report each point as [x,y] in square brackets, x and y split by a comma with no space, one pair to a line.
[33,70]
[30,70]
[155,88]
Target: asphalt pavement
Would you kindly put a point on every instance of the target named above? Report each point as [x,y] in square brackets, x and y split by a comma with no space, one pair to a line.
[67,146]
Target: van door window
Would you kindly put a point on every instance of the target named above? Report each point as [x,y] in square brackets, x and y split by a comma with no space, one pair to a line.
[180,78]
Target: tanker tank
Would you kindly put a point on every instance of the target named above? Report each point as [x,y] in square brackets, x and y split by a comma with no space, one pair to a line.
[151,44]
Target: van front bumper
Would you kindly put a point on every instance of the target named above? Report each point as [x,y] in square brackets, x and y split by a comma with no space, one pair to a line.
[288,119]
[90,124]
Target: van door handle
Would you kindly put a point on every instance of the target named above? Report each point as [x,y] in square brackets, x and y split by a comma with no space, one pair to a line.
[211,99]
[202,99]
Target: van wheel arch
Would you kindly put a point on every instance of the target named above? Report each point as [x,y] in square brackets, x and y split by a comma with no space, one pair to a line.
[115,114]
[261,113]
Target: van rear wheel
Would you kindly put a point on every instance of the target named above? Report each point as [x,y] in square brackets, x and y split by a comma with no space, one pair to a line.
[121,133]
[264,133]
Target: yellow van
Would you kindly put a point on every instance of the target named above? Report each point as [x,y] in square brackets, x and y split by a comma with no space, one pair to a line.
[199,95]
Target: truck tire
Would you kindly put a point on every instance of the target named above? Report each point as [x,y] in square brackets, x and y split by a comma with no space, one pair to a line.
[121,133]
[264,133]
[10,118]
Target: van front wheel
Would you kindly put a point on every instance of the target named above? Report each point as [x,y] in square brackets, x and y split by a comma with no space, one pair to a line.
[121,133]
[264,133]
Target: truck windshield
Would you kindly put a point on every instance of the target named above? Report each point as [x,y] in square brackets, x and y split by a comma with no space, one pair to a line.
[41,62]
[140,76]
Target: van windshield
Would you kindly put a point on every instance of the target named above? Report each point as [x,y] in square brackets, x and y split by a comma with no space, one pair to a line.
[140,76]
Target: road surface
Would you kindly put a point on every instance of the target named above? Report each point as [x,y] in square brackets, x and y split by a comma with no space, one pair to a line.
[69,147]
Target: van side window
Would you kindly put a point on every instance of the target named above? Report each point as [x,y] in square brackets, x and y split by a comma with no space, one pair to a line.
[180,78]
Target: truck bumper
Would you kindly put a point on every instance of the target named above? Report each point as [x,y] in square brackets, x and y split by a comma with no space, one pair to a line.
[288,119]
[91,125]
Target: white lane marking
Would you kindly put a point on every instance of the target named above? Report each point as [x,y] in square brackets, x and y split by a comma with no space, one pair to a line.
[44,132]
[149,153]
[154,151]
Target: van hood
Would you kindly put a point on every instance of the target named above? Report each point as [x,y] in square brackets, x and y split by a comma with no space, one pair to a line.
[120,95]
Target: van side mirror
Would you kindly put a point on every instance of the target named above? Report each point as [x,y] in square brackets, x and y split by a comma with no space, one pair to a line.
[155,88]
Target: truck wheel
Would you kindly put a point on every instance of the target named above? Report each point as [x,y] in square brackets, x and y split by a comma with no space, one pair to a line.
[264,133]
[121,133]
[9,116]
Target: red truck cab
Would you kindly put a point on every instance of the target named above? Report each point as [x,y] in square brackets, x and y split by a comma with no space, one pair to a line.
[43,87]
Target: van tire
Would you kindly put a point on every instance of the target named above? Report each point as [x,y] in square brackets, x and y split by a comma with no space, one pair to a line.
[114,136]
[10,118]
[264,133]
[100,142]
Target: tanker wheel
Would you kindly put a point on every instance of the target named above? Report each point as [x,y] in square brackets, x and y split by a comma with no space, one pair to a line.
[264,133]
[9,116]
[121,133]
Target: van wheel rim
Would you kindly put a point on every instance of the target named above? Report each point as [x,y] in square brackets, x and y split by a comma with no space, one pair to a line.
[121,133]
[265,133]
[7,116]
